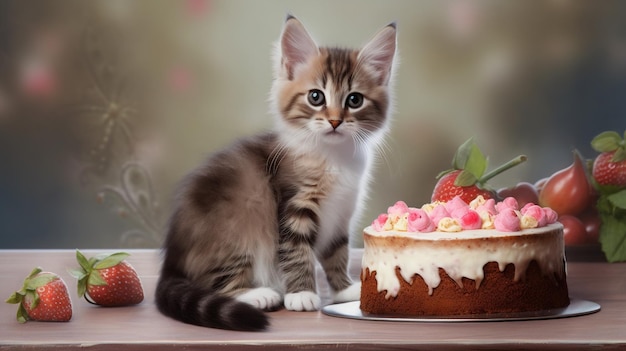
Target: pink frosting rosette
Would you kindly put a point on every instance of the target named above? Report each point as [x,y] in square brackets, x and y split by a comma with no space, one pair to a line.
[537,212]
[470,220]
[397,210]
[438,213]
[419,221]
[379,223]
[507,221]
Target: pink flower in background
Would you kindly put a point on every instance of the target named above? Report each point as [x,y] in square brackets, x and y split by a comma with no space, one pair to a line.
[197,7]
[37,79]
[180,79]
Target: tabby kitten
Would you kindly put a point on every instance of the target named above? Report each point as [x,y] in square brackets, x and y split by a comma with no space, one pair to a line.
[250,223]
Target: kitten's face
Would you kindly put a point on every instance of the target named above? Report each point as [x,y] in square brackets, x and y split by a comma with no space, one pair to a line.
[330,96]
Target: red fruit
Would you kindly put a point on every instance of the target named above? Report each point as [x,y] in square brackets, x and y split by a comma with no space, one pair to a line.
[108,281]
[609,168]
[43,297]
[592,222]
[523,192]
[467,178]
[574,232]
[607,172]
[568,191]
[445,189]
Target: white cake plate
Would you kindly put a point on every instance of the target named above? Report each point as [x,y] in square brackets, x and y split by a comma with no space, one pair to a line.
[352,310]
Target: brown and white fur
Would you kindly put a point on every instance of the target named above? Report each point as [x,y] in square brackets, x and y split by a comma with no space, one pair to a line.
[250,223]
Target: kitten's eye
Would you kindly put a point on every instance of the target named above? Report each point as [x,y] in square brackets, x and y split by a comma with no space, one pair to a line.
[316,97]
[354,100]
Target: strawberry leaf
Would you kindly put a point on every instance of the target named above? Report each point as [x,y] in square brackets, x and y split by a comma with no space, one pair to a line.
[476,163]
[82,287]
[619,155]
[77,273]
[14,298]
[34,297]
[22,315]
[41,280]
[111,260]
[463,154]
[82,261]
[606,141]
[618,199]
[96,279]
[465,178]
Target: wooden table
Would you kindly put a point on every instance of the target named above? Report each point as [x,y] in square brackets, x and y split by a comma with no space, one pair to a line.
[141,327]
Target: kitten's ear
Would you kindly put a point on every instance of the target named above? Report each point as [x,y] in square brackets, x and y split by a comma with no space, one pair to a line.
[296,45]
[379,53]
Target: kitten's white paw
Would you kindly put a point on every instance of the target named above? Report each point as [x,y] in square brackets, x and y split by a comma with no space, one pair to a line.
[302,301]
[351,293]
[262,298]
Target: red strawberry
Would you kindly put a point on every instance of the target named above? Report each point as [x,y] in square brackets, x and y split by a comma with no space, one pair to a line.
[108,280]
[609,168]
[43,297]
[467,178]
[445,189]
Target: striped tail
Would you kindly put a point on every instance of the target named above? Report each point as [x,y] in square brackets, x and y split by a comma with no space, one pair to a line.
[178,298]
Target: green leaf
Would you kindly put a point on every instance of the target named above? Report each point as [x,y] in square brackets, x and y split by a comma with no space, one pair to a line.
[613,238]
[22,315]
[111,260]
[82,261]
[465,178]
[618,199]
[14,298]
[606,141]
[82,287]
[619,155]
[33,296]
[77,273]
[40,280]
[476,163]
[462,154]
[34,272]
[96,279]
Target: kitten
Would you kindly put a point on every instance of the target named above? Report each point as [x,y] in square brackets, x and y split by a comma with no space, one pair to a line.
[250,223]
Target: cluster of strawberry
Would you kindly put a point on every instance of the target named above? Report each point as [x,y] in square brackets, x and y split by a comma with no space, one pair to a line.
[106,280]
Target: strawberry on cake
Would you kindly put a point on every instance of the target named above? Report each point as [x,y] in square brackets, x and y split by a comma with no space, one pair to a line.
[454,258]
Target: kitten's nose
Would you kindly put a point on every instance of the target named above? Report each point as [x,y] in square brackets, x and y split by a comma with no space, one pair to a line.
[335,122]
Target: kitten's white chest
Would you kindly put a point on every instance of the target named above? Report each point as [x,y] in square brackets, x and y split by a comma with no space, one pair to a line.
[340,203]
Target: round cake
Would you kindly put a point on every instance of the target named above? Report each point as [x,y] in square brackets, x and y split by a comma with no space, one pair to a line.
[457,259]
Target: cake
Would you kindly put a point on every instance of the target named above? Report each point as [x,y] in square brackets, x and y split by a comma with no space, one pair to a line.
[458,259]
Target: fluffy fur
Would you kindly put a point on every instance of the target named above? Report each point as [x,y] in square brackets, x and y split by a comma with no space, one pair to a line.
[250,223]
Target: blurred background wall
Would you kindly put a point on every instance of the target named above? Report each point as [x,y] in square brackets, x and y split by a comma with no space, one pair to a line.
[105,104]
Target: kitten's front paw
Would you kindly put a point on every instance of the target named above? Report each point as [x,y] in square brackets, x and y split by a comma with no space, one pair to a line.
[351,293]
[262,298]
[302,301]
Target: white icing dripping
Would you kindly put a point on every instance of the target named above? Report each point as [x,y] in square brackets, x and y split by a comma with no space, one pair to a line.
[425,253]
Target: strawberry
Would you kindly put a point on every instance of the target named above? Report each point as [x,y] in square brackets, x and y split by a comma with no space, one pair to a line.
[43,297]
[447,188]
[108,280]
[467,178]
[609,167]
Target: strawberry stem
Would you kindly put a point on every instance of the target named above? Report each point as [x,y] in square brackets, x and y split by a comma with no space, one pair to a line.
[512,163]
